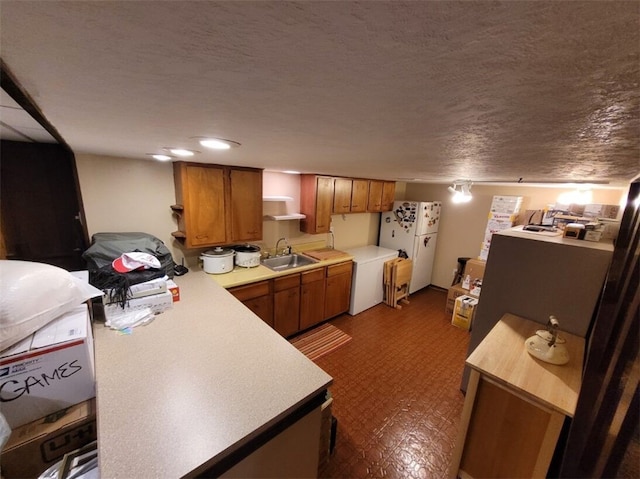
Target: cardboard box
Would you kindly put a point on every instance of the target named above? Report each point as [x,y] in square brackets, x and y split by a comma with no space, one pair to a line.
[50,370]
[174,289]
[474,269]
[36,446]
[464,310]
[140,290]
[601,211]
[454,292]
[157,302]
[594,235]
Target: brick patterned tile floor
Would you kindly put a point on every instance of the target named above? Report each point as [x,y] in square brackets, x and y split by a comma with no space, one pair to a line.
[396,393]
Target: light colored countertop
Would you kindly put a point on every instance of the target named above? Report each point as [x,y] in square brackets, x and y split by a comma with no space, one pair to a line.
[240,276]
[502,355]
[200,381]
[557,238]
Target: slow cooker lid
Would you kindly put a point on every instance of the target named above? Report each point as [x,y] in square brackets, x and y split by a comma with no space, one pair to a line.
[218,252]
[246,248]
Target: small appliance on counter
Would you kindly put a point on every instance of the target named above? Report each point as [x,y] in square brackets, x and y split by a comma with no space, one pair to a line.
[547,346]
[247,255]
[217,261]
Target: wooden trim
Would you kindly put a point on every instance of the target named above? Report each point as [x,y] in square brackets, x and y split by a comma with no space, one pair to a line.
[467,409]
[549,442]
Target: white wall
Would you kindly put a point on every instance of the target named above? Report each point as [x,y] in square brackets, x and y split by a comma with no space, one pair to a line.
[125,195]
[462,226]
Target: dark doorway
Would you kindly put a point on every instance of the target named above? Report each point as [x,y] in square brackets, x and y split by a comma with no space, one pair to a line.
[40,205]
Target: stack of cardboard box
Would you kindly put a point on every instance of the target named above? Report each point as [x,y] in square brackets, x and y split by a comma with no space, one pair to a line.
[503,214]
[47,386]
[471,278]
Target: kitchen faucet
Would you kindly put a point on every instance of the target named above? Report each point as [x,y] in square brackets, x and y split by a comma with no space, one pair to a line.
[287,250]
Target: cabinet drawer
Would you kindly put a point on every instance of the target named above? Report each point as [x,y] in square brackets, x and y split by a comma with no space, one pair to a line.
[253,290]
[339,268]
[313,275]
[286,282]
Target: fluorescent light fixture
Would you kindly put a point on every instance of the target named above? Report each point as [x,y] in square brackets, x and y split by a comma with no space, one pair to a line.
[291,172]
[217,143]
[181,152]
[162,157]
[461,191]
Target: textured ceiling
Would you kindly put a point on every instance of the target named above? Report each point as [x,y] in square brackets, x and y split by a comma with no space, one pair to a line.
[430,90]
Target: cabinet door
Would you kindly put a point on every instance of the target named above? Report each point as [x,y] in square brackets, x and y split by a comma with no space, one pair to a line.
[388,195]
[374,204]
[338,289]
[286,304]
[342,195]
[316,201]
[262,307]
[245,188]
[257,297]
[312,298]
[324,201]
[359,196]
[202,194]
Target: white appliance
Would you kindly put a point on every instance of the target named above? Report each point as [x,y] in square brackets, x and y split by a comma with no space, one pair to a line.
[367,288]
[412,226]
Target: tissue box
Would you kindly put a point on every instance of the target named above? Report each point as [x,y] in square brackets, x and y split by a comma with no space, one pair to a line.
[50,370]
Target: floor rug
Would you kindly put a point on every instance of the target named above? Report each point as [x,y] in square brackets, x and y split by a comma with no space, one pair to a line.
[320,341]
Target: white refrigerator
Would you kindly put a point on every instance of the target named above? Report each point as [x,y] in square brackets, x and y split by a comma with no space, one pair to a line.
[412,227]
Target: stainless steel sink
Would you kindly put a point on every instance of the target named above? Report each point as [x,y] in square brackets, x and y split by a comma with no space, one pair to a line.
[287,261]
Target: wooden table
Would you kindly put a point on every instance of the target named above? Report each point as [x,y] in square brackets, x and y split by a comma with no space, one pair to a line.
[515,404]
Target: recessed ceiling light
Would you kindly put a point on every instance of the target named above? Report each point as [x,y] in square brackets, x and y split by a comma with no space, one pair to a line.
[218,143]
[162,157]
[181,152]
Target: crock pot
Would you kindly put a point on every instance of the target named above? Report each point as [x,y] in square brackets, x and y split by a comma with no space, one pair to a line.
[217,261]
[247,256]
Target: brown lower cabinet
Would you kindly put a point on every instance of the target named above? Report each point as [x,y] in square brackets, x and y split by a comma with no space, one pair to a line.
[312,299]
[298,301]
[338,289]
[286,304]
[258,298]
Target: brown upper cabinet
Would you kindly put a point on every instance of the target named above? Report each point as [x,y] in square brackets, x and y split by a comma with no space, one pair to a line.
[388,195]
[342,195]
[381,196]
[359,194]
[316,202]
[322,196]
[217,204]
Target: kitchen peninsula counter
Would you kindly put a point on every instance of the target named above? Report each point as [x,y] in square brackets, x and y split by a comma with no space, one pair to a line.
[195,386]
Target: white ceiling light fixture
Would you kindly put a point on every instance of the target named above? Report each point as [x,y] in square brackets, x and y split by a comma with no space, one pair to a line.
[161,157]
[217,143]
[181,152]
[461,191]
